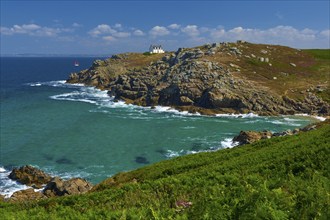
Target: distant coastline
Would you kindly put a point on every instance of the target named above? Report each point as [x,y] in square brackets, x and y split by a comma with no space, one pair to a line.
[56,55]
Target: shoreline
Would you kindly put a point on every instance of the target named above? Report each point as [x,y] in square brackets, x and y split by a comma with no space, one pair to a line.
[170,110]
[227,143]
[180,109]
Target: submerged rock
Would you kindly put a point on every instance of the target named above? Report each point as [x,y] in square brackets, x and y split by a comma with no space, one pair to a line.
[30,176]
[64,160]
[142,160]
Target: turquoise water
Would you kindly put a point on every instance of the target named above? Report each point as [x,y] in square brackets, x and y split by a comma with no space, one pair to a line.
[72,130]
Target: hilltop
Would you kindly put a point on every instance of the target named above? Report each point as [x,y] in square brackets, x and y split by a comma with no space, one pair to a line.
[278,178]
[216,78]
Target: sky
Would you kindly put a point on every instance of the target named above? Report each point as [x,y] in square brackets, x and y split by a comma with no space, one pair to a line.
[109,27]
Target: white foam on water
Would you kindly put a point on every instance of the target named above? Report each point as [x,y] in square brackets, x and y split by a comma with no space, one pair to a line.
[285,122]
[8,186]
[167,109]
[84,94]
[98,97]
[320,118]
[189,127]
[292,119]
[228,143]
[58,83]
[34,84]
[248,115]
[171,154]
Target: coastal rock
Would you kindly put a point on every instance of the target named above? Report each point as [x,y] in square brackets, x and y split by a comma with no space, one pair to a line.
[284,133]
[27,194]
[59,187]
[30,176]
[192,79]
[248,137]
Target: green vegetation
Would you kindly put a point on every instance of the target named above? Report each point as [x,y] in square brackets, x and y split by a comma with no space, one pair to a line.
[323,54]
[312,68]
[147,53]
[279,178]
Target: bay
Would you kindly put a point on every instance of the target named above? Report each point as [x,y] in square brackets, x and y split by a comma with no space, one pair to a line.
[78,131]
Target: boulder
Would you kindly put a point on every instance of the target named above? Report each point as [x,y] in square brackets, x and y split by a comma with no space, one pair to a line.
[27,194]
[248,137]
[186,100]
[59,187]
[30,176]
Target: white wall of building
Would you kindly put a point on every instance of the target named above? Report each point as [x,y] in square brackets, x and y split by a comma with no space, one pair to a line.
[156,49]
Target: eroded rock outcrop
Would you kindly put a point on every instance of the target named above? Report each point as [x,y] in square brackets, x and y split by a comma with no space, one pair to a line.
[248,137]
[30,176]
[55,186]
[59,187]
[27,194]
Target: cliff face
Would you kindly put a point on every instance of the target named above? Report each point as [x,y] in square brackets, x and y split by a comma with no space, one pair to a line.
[217,78]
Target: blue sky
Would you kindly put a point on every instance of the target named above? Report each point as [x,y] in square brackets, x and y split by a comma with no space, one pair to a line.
[108,27]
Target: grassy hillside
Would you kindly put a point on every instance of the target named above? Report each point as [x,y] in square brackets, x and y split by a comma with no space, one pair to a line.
[289,72]
[280,178]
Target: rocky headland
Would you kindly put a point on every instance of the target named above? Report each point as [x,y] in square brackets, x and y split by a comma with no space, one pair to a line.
[217,78]
[43,185]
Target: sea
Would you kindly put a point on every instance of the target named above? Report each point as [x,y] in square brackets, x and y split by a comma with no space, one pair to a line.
[79,131]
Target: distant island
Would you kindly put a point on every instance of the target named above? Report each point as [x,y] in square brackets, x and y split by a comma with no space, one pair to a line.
[219,78]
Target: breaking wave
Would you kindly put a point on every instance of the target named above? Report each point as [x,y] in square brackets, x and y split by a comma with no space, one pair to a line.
[8,186]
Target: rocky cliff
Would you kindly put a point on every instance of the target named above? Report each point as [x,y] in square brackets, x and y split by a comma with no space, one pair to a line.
[215,78]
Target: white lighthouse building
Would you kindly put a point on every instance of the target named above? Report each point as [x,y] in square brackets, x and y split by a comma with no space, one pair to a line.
[156,49]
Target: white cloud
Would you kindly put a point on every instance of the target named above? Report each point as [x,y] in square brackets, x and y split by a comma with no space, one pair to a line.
[138,33]
[47,32]
[159,31]
[101,29]
[191,30]
[76,25]
[190,35]
[33,30]
[217,33]
[325,33]
[121,34]
[237,30]
[118,26]
[174,26]
[109,38]
[286,35]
